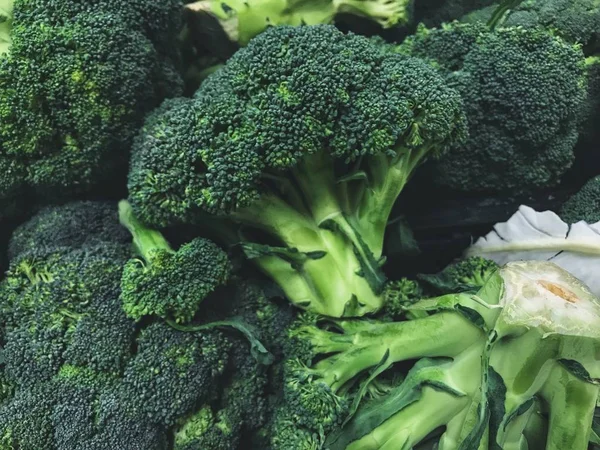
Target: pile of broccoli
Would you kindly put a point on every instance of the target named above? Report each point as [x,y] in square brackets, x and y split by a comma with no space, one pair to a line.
[203,264]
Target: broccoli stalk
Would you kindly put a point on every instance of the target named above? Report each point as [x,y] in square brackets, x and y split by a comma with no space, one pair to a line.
[242,19]
[164,282]
[540,336]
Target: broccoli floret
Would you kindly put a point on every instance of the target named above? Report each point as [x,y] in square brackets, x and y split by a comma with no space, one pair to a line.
[310,205]
[584,205]
[533,348]
[435,12]
[524,112]
[77,224]
[468,274]
[165,282]
[26,419]
[171,372]
[74,89]
[243,20]
[574,20]
[206,429]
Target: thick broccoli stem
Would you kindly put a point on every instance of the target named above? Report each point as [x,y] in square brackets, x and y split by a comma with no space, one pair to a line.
[315,176]
[145,240]
[387,13]
[572,403]
[330,281]
[444,334]
[6,12]
[387,178]
[435,408]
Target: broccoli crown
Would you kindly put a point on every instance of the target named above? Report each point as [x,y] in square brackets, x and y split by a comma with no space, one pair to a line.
[76,224]
[76,373]
[317,198]
[74,88]
[584,205]
[573,20]
[174,284]
[523,111]
[314,82]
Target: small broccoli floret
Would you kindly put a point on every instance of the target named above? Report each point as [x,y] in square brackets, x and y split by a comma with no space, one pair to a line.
[74,89]
[310,206]
[76,224]
[168,283]
[205,429]
[535,347]
[171,372]
[243,20]
[435,12]
[6,16]
[26,420]
[574,20]
[584,205]
[468,274]
[397,295]
[524,114]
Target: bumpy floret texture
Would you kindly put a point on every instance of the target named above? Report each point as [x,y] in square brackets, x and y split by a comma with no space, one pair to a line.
[172,285]
[524,92]
[584,205]
[77,224]
[74,88]
[330,92]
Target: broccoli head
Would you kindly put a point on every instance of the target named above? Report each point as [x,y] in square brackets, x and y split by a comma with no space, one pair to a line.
[584,205]
[167,283]
[524,92]
[243,20]
[76,224]
[74,89]
[310,205]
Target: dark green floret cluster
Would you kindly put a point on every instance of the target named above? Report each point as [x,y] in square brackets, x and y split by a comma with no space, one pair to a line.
[75,84]
[269,224]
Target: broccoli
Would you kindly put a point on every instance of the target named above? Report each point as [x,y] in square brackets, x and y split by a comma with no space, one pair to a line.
[397,294]
[469,274]
[576,21]
[74,88]
[308,206]
[77,224]
[77,374]
[584,205]
[435,12]
[531,340]
[243,20]
[524,112]
[6,8]
[165,282]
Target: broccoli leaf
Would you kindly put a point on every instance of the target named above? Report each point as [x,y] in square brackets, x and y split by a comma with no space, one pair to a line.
[533,235]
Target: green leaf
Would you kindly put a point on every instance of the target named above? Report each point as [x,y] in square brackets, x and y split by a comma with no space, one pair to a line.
[294,257]
[257,349]
[578,370]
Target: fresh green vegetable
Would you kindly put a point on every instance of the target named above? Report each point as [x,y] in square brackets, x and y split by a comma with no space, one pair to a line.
[309,206]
